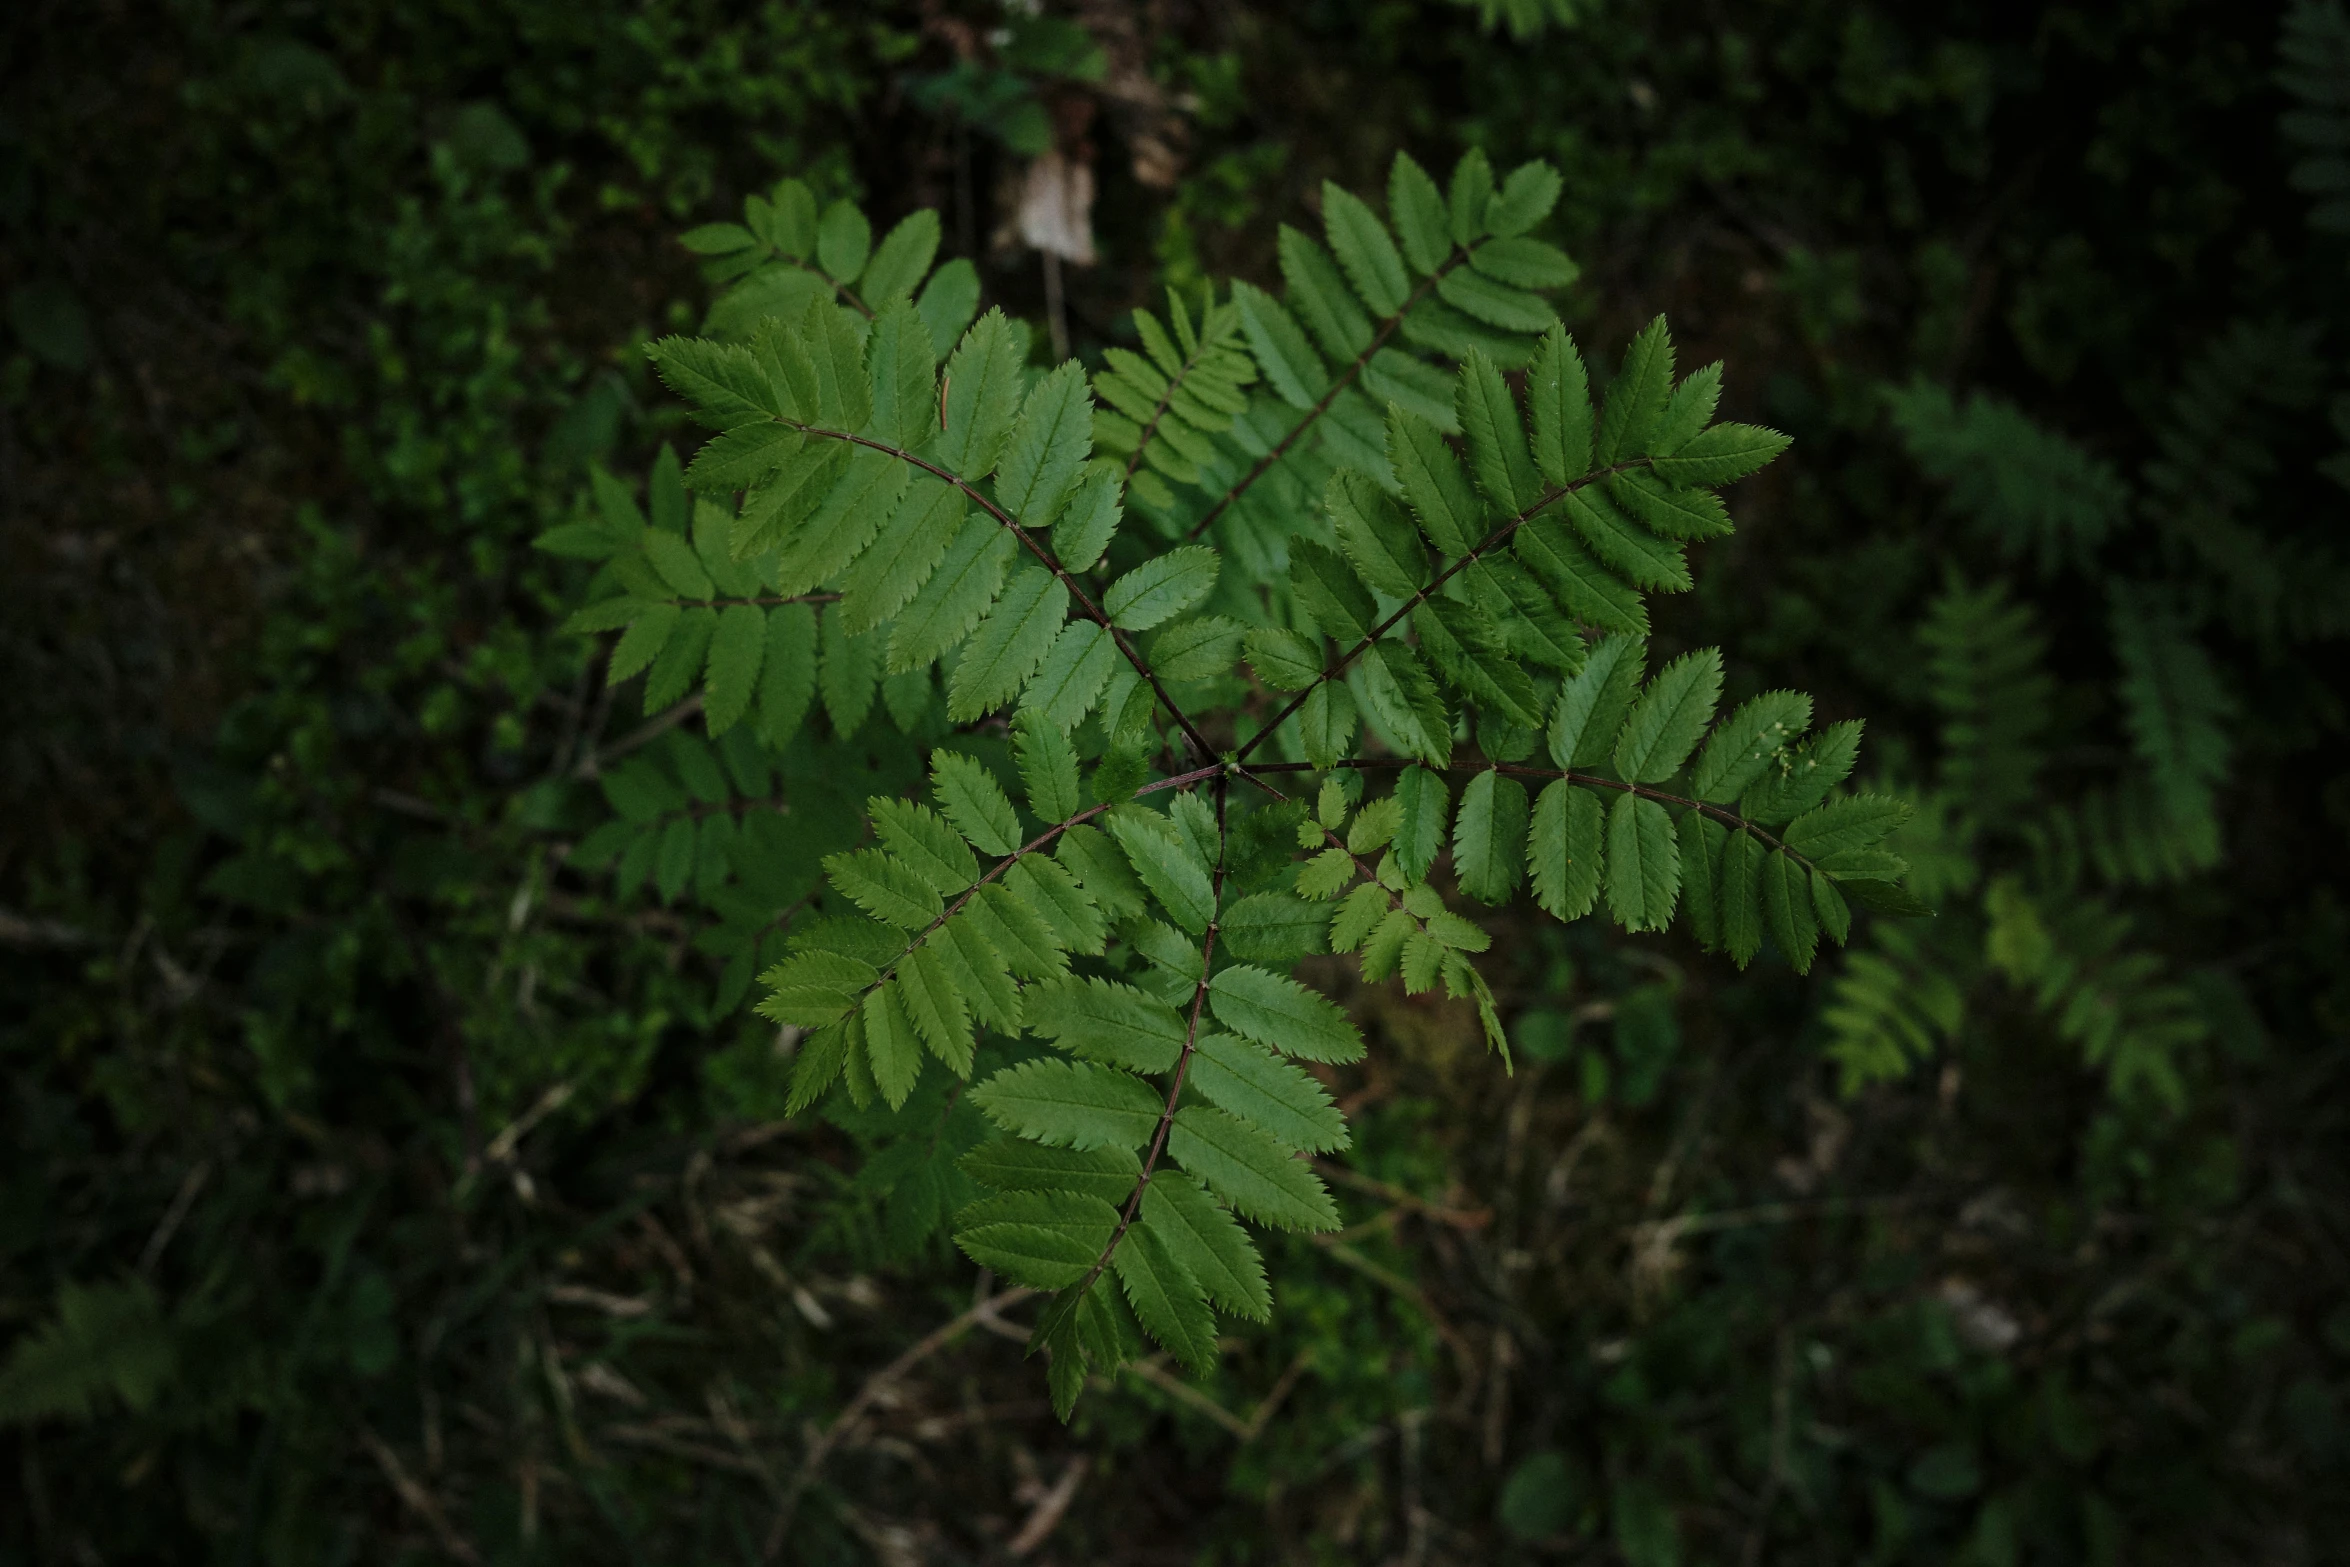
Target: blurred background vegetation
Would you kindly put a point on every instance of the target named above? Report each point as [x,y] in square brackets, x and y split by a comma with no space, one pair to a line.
[376,1189]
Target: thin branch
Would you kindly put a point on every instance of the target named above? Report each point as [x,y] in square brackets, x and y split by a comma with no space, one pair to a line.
[1199,998]
[1045,558]
[1490,542]
[1720,813]
[1030,847]
[1345,379]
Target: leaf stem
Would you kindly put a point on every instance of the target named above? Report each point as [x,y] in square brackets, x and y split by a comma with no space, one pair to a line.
[1588,780]
[1491,541]
[1345,379]
[1044,556]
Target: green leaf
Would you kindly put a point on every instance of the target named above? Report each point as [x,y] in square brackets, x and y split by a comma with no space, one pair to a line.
[773,510]
[1634,552]
[904,372]
[1416,209]
[1378,539]
[975,965]
[647,634]
[966,582]
[1668,512]
[884,887]
[678,566]
[722,380]
[1565,850]
[1587,590]
[1277,1011]
[1053,893]
[892,1052]
[1835,916]
[787,673]
[974,802]
[1014,1164]
[1070,1104]
[1279,344]
[1744,744]
[843,240]
[1089,856]
[1089,521]
[1009,645]
[1422,803]
[948,302]
[923,843]
[1804,776]
[1259,1087]
[904,255]
[1497,444]
[834,346]
[1326,589]
[1433,483]
[1273,927]
[717,239]
[1592,706]
[1048,449]
[982,395]
[1284,660]
[1162,587]
[927,992]
[1326,724]
[1688,409]
[1364,250]
[1168,1301]
[1321,296]
[1115,1025]
[1701,875]
[1637,396]
[901,559]
[681,658]
[1854,822]
[1244,1165]
[848,673]
[822,1056]
[1525,263]
[1489,839]
[1048,767]
[862,497]
[1670,717]
[1558,392]
[811,989]
[1787,910]
[1495,303]
[1720,455]
[1039,1239]
[1076,667]
[1467,648]
[737,648]
[1200,648]
[1470,194]
[1524,199]
[1741,896]
[743,457]
[1167,866]
[1209,1244]
[1643,864]
[1406,703]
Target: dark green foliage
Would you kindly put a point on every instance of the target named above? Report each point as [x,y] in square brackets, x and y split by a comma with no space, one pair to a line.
[406,1161]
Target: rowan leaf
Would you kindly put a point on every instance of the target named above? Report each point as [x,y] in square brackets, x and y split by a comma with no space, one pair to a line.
[1244,1165]
[1275,1010]
[1070,1104]
[1489,837]
[1643,864]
